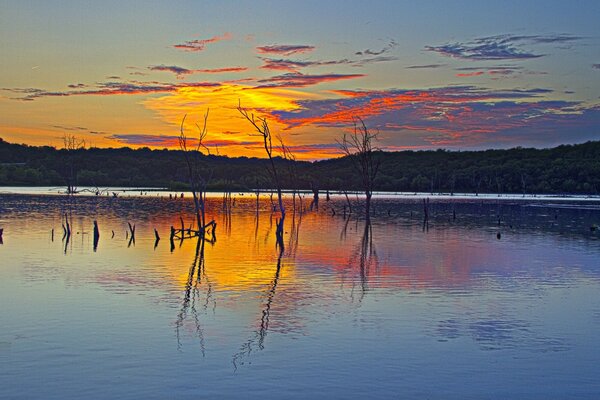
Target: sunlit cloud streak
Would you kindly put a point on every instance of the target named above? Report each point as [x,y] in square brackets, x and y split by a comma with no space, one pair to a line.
[181,71]
[173,141]
[500,47]
[285,50]
[474,73]
[452,116]
[296,79]
[490,68]
[295,65]
[200,44]
[426,66]
[341,111]
[107,89]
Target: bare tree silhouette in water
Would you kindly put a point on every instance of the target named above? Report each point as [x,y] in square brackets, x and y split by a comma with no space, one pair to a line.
[197,175]
[358,147]
[261,126]
[72,144]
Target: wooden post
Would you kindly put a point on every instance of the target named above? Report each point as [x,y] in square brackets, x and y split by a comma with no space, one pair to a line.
[157,238]
[96,235]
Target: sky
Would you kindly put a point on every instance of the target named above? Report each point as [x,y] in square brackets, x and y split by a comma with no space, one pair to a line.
[457,75]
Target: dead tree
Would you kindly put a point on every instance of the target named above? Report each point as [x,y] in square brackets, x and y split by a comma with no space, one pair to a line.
[358,147]
[198,181]
[262,128]
[71,145]
[292,170]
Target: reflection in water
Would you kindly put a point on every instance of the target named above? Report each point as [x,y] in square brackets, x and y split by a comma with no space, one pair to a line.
[364,258]
[342,297]
[196,276]
[258,338]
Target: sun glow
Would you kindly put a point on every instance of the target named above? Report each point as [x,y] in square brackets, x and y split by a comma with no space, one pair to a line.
[226,127]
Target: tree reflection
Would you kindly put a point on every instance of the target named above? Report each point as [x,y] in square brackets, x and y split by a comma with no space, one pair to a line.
[196,274]
[257,341]
[365,258]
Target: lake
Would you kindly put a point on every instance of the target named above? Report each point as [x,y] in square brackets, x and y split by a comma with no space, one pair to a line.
[495,297]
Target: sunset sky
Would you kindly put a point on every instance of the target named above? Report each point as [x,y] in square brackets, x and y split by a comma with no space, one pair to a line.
[425,75]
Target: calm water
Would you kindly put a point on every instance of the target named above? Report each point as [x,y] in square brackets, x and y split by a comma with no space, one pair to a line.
[400,310]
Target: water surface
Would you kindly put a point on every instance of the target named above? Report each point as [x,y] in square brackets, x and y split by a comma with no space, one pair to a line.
[493,298]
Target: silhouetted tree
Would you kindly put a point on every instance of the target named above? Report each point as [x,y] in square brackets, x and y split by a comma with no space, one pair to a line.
[262,127]
[71,145]
[196,174]
[358,146]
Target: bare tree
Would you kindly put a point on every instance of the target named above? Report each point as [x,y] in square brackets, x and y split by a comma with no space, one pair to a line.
[262,128]
[198,181]
[71,144]
[358,146]
[292,170]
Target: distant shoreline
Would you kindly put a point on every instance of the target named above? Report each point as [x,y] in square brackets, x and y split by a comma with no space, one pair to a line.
[566,169]
[149,192]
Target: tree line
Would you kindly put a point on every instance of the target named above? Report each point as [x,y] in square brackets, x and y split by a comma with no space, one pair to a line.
[562,169]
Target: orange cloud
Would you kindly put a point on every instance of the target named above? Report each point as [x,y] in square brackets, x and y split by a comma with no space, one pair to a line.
[465,74]
[224,121]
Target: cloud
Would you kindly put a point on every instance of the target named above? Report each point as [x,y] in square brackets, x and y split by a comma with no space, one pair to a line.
[222,70]
[80,129]
[499,47]
[108,88]
[173,141]
[285,50]
[322,148]
[372,60]
[474,73]
[200,44]
[455,116]
[296,79]
[295,65]
[491,68]
[385,49]
[180,71]
[341,111]
[496,72]
[426,66]
[596,66]
[77,85]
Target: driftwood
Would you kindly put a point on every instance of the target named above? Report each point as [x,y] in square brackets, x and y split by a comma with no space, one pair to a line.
[132,238]
[187,233]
